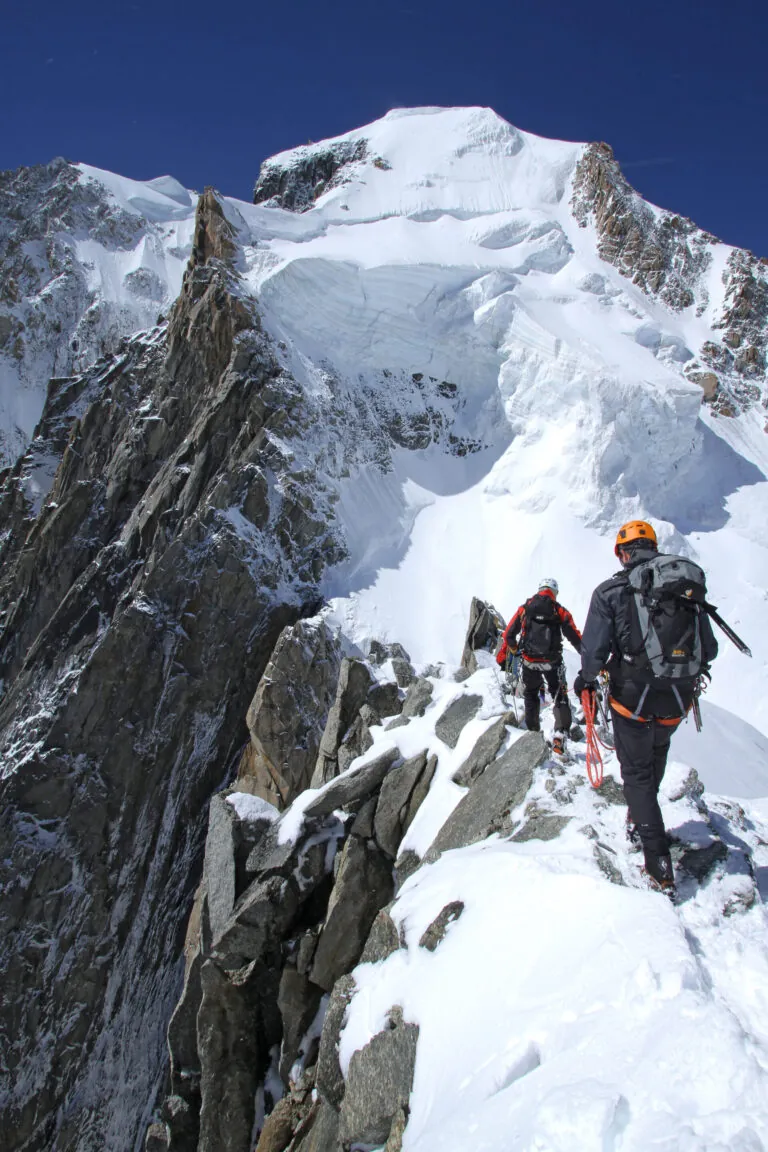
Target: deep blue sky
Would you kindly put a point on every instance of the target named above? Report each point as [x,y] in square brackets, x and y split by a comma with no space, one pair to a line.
[679,88]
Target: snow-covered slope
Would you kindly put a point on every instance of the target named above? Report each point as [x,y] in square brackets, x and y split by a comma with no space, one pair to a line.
[86,258]
[449,255]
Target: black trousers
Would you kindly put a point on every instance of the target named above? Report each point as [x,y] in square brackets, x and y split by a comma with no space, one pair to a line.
[642,747]
[533,682]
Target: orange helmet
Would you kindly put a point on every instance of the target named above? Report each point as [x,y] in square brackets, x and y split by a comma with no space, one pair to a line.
[634,530]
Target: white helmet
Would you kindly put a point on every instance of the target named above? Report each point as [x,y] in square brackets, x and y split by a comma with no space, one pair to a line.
[549,582]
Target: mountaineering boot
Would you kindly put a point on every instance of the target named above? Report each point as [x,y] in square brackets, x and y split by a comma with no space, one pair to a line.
[659,871]
[632,832]
[559,746]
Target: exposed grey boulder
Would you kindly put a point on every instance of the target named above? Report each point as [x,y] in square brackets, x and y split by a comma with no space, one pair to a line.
[379,653]
[329,1078]
[487,806]
[379,1082]
[290,709]
[455,718]
[418,697]
[404,673]
[484,751]
[417,700]
[484,630]
[353,685]
[394,796]
[356,785]
[435,932]
[383,939]
[363,885]
[261,919]
[385,700]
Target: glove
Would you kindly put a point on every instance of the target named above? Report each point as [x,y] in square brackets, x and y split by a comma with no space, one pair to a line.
[581,685]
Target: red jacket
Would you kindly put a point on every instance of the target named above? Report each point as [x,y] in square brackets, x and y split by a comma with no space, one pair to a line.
[517,626]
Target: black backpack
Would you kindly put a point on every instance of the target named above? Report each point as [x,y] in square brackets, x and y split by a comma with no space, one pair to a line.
[669,595]
[541,639]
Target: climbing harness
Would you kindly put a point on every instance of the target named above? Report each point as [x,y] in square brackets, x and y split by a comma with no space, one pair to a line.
[594,757]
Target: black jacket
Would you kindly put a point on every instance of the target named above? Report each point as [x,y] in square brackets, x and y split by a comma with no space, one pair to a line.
[609,636]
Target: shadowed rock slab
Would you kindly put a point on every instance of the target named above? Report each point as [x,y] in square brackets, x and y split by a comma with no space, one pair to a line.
[486,807]
[330,1081]
[227,1029]
[456,717]
[355,681]
[379,1083]
[298,1000]
[363,885]
[394,796]
[357,785]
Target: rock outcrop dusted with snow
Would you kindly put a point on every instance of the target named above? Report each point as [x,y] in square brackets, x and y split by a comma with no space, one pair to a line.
[85,260]
[326,998]
[407,375]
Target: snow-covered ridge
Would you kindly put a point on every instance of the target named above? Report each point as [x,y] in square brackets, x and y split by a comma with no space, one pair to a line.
[445,284]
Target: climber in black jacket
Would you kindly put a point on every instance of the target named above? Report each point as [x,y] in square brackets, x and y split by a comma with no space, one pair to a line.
[645,710]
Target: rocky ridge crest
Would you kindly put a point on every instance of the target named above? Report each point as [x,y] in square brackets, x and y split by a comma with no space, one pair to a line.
[668,257]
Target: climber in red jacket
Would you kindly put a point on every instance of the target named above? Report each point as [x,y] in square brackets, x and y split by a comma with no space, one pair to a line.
[540,623]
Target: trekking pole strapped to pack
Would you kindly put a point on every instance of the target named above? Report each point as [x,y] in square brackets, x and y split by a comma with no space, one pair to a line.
[594,758]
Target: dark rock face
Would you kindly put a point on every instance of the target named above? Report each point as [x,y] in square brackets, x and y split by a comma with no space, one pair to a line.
[135,624]
[667,256]
[308,173]
[363,885]
[662,256]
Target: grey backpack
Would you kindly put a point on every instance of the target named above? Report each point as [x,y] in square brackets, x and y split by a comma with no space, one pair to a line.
[669,597]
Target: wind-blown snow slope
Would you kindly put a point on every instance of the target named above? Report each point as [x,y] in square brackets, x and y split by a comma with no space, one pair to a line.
[446,254]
